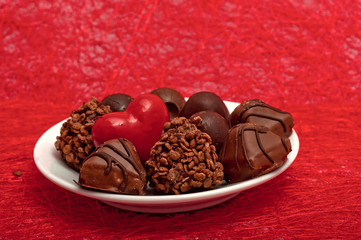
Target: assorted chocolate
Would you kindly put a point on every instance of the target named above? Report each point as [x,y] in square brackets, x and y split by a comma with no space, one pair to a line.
[114,167]
[256,111]
[200,145]
[251,150]
[184,159]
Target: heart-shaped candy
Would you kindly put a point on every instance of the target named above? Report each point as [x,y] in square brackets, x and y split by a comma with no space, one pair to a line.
[141,123]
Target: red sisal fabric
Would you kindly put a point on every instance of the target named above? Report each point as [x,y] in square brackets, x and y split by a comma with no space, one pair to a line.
[301,56]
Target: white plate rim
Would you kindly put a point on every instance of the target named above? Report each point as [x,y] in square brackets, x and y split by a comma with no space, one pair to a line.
[222,191]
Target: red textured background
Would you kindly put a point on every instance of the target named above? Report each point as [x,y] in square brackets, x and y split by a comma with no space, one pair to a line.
[301,56]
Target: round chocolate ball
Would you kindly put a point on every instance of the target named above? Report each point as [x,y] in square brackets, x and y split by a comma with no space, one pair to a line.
[173,99]
[118,102]
[203,101]
[215,125]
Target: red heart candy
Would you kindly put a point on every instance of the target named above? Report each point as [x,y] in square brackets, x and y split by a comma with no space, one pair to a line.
[141,123]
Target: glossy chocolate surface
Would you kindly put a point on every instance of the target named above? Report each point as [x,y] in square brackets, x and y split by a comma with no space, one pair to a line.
[173,99]
[215,125]
[251,150]
[256,111]
[118,102]
[203,101]
[114,167]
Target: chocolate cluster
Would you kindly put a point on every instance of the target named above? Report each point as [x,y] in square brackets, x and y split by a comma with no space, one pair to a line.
[184,159]
[75,140]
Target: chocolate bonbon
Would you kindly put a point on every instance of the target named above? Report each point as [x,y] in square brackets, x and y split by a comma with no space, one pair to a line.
[251,150]
[118,102]
[173,99]
[256,111]
[184,159]
[215,125]
[203,101]
[114,167]
[75,140]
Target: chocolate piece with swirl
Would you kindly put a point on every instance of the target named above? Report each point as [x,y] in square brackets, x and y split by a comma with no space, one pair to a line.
[251,150]
[256,111]
[114,167]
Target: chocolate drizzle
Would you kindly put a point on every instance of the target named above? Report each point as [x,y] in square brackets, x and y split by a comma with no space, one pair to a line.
[246,156]
[127,156]
[129,175]
[256,102]
[283,139]
[243,112]
[262,104]
[109,160]
[257,130]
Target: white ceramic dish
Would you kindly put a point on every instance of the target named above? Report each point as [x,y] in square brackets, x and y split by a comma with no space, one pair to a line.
[48,161]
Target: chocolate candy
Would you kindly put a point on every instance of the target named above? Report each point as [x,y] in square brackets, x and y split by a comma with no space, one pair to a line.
[114,167]
[75,142]
[173,99]
[256,111]
[118,102]
[203,101]
[184,159]
[251,150]
[215,125]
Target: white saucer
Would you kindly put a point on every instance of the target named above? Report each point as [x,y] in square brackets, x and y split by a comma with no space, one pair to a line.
[48,161]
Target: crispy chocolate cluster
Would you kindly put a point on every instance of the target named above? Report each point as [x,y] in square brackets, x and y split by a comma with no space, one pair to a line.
[75,140]
[184,159]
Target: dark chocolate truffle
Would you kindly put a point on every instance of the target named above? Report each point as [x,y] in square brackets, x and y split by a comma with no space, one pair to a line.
[256,111]
[184,160]
[215,125]
[118,102]
[203,101]
[173,99]
[114,167]
[251,150]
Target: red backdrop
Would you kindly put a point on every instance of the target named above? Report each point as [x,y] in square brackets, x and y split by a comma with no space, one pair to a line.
[301,56]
